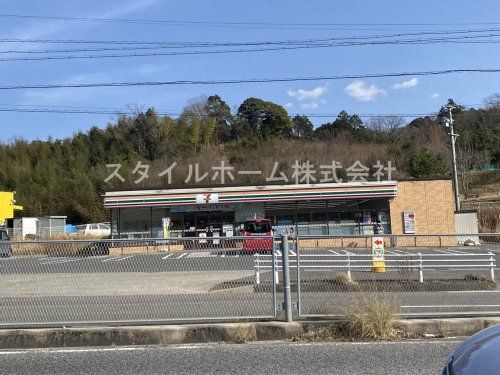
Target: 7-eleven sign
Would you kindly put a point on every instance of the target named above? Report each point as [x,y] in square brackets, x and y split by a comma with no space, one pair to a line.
[378,254]
[378,248]
[207,198]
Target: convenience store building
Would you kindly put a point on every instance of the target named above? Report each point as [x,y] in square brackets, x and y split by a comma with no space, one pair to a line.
[402,207]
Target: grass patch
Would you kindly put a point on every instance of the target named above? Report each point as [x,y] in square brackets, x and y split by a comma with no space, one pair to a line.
[244,332]
[489,219]
[372,317]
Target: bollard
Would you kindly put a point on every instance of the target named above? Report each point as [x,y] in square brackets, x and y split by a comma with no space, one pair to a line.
[257,269]
[492,266]
[286,278]
[420,269]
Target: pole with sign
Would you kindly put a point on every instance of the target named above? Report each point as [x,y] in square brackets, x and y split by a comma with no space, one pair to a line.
[378,254]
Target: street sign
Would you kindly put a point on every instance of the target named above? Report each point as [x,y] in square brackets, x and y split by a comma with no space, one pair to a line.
[409,221]
[378,254]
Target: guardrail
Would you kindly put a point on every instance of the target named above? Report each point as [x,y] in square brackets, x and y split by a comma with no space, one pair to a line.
[361,262]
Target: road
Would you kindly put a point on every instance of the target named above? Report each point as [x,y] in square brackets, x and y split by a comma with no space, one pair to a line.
[201,284]
[409,358]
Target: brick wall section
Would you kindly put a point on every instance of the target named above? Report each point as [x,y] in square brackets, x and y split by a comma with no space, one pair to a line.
[432,202]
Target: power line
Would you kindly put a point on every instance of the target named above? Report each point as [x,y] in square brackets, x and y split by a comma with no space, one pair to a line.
[247,43]
[237,24]
[178,114]
[121,112]
[250,80]
[285,46]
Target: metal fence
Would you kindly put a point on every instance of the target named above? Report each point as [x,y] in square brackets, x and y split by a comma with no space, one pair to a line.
[80,282]
[422,275]
[239,278]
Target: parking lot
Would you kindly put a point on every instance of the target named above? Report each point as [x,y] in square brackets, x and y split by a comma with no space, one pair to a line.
[208,284]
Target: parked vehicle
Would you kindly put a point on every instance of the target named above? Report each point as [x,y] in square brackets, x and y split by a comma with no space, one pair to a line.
[5,245]
[94,230]
[476,355]
[258,228]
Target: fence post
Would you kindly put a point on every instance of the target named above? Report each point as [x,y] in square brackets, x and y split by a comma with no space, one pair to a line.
[492,266]
[275,266]
[285,262]
[420,269]
[257,269]
[349,265]
[299,297]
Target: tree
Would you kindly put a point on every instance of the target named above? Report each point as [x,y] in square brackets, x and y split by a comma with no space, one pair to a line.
[426,164]
[492,101]
[344,123]
[386,127]
[262,119]
[466,159]
[217,109]
[302,127]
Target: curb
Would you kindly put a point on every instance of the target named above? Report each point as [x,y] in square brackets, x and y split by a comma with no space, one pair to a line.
[204,333]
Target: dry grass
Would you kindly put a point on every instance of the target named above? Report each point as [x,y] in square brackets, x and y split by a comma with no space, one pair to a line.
[244,332]
[372,317]
[342,278]
[489,219]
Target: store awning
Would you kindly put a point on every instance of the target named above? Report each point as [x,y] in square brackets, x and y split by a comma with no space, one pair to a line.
[249,194]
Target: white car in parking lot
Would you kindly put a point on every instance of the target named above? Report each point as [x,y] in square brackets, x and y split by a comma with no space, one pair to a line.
[100,230]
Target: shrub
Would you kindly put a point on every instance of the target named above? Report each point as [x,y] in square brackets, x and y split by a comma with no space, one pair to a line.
[372,317]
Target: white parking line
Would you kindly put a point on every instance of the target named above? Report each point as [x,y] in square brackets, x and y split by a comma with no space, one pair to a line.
[167,256]
[181,256]
[347,252]
[60,261]
[278,253]
[443,251]
[293,253]
[333,252]
[117,259]
[399,252]
[457,252]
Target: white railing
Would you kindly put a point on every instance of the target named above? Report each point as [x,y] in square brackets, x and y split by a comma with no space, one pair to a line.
[363,262]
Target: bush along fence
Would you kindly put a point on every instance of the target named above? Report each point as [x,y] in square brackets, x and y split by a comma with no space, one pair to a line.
[141,281]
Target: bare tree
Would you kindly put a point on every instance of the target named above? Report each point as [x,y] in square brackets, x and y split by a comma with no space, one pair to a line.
[387,126]
[492,101]
[466,159]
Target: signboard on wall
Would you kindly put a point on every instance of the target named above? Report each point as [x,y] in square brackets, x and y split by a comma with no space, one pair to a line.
[204,207]
[207,198]
[409,222]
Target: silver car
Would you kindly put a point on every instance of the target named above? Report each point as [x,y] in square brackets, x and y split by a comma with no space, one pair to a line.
[480,354]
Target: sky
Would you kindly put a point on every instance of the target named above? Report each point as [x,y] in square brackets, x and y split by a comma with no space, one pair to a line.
[278,20]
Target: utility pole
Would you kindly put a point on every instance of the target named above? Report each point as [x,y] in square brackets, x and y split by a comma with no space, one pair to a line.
[448,123]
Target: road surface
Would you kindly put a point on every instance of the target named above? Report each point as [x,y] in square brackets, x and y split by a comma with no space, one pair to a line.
[387,358]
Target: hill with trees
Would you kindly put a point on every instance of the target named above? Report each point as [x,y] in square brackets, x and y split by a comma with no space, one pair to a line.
[67,176]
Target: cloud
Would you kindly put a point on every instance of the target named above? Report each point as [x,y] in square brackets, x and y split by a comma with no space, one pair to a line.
[289,105]
[302,94]
[406,84]
[360,91]
[311,105]
[149,69]
[42,29]
[435,95]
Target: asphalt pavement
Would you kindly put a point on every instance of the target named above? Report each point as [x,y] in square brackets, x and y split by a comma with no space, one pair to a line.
[366,358]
